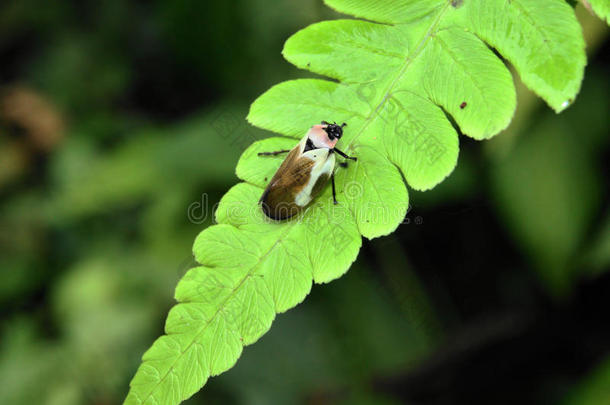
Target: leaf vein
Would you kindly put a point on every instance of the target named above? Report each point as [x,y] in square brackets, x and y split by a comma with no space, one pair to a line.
[221,307]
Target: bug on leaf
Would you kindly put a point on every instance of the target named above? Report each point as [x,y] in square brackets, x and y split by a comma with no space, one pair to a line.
[304,172]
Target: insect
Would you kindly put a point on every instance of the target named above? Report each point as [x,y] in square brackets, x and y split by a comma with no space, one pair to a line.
[304,172]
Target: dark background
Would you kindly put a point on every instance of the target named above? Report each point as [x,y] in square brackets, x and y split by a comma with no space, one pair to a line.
[120,121]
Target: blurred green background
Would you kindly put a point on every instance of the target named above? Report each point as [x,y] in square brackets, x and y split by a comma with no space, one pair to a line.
[120,126]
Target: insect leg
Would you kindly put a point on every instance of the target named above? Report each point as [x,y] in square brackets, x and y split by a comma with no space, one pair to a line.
[332,180]
[344,155]
[277,152]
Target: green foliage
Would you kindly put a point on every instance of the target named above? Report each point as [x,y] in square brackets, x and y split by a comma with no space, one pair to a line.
[397,84]
[549,191]
[153,160]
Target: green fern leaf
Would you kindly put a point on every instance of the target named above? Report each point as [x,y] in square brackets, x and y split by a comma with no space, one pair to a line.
[398,80]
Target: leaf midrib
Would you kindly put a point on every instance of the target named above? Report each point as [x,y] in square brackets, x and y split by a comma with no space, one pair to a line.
[220,308]
[410,58]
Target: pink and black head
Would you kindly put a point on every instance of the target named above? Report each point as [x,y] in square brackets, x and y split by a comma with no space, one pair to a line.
[334,131]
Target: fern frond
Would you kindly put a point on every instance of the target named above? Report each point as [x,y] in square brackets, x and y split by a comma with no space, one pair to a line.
[400,75]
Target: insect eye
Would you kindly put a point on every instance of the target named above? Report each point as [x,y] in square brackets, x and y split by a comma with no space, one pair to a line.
[337,132]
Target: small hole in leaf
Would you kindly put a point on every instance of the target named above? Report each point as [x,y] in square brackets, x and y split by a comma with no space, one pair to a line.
[456,3]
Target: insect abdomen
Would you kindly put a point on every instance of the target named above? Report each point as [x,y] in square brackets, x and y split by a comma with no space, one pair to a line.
[278,211]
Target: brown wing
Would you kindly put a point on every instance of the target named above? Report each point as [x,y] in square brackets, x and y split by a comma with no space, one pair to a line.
[278,199]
